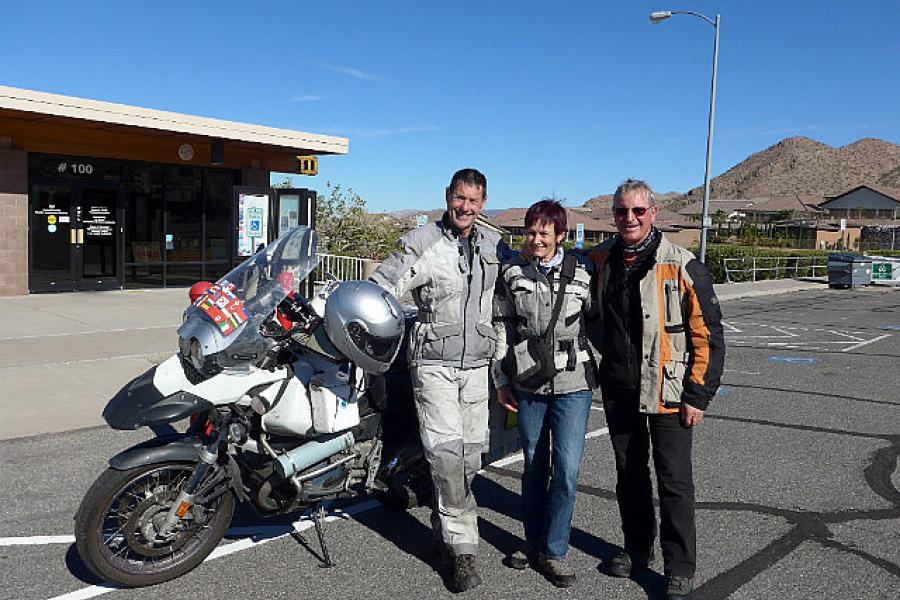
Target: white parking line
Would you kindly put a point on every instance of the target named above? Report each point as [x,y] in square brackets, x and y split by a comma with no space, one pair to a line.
[37,540]
[861,344]
[85,332]
[260,535]
[809,338]
[227,549]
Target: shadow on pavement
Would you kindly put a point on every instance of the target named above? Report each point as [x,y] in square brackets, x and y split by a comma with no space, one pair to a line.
[78,569]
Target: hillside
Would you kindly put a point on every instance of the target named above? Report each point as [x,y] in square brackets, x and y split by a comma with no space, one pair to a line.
[799,165]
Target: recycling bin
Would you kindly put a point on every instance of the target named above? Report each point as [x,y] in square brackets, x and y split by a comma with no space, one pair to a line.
[885,270]
[849,270]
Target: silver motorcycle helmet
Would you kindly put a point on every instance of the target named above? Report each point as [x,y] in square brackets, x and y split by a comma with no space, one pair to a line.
[366,323]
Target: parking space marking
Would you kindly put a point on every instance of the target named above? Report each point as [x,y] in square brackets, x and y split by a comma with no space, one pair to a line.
[274,533]
[787,336]
[37,540]
[266,533]
[865,343]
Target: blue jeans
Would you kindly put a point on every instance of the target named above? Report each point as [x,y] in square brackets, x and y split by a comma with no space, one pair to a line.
[552,429]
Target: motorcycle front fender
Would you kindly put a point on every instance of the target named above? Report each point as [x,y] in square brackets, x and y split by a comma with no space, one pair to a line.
[141,403]
[183,447]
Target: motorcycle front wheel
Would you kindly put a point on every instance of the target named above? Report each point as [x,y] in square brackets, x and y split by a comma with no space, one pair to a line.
[117,525]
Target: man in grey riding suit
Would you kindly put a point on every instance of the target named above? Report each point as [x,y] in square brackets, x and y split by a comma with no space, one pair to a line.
[450,268]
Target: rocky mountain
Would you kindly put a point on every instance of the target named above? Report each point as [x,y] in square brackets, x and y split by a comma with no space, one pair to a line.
[799,165]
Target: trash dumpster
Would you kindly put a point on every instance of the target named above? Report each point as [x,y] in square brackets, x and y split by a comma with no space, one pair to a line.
[849,270]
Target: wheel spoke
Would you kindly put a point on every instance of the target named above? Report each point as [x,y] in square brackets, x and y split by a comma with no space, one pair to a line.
[132,508]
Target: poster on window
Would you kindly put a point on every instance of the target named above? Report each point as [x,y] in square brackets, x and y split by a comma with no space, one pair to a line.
[289,212]
[253,219]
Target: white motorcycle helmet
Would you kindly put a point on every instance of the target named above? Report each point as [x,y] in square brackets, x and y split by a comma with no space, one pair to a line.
[365,323]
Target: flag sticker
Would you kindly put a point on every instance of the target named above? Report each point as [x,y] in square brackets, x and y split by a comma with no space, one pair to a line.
[225,309]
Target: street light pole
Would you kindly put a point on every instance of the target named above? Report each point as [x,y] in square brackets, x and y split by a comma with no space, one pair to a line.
[658,17]
[894,229]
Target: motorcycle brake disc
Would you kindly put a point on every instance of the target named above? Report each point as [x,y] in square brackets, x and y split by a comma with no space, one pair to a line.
[155,508]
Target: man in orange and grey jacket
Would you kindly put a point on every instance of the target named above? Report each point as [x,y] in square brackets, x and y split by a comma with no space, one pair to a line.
[659,330]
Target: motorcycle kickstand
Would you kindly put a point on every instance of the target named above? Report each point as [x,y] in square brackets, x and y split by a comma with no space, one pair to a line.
[319,522]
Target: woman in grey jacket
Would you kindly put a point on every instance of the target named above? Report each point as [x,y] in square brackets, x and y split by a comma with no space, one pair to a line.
[553,414]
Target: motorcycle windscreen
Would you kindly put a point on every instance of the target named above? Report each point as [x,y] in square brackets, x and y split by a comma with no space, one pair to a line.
[230,313]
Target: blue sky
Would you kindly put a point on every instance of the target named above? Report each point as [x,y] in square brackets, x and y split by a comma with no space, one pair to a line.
[560,99]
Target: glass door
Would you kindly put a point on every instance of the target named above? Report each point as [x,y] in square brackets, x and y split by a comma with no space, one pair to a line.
[75,238]
[97,257]
[294,206]
[52,236]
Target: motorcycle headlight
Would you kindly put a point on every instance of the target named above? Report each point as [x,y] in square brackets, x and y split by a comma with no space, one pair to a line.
[196,354]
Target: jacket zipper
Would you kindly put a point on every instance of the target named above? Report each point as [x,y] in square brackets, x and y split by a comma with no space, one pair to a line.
[668,300]
[465,311]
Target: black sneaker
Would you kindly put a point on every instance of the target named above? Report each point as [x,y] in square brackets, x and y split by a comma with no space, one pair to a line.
[520,559]
[556,571]
[626,565]
[679,587]
[465,573]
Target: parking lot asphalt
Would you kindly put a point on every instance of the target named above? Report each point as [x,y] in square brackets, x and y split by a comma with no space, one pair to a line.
[796,471]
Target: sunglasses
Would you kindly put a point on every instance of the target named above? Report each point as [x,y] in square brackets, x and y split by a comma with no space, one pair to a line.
[639,211]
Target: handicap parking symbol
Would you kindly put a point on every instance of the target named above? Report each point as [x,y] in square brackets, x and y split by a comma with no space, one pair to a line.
[794,360]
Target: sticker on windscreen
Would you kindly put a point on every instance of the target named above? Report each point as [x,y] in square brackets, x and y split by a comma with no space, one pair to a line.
[223,307]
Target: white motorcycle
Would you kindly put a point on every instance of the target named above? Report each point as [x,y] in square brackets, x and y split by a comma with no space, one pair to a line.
[288,407]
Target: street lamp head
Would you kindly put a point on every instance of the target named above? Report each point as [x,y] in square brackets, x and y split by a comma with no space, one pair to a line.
[660,16]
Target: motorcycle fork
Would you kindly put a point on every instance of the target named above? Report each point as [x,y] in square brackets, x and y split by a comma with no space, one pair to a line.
[207,458]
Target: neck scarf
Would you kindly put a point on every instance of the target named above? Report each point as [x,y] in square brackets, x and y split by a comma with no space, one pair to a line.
[642,245]
[555,261]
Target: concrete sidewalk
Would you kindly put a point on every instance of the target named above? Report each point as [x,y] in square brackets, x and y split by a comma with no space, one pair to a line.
[62,356]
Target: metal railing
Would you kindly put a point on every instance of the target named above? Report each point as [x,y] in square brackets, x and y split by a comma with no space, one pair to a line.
[755,268]
[345,268]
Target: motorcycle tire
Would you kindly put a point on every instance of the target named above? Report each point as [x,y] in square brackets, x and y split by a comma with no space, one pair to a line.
[119,509]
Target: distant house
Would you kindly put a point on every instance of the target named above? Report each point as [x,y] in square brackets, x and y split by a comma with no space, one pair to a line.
[864,202]
[764,209]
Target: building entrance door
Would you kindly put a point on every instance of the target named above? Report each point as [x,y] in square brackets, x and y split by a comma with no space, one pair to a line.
[75,238]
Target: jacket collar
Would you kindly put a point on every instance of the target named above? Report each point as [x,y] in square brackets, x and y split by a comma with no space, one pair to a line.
[452,232]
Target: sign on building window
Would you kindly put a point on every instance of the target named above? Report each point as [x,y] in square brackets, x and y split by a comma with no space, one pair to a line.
[253,222]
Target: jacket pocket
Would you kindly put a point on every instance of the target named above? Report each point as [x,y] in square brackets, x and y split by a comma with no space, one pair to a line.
[673,383]
[490,265]
[488,338]
[524,297]
[434,341]
[573,306]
